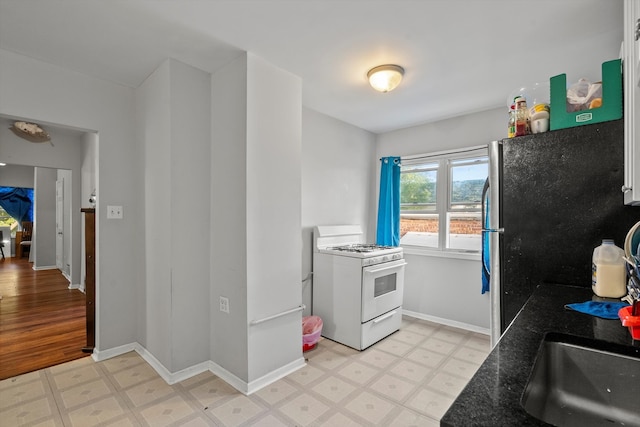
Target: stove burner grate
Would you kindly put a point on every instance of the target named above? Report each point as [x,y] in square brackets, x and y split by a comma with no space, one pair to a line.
[362,248]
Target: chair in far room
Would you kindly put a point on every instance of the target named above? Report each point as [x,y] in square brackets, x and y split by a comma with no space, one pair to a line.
[25,243]
[2,244]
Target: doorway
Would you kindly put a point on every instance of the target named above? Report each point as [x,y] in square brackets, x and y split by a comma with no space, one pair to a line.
[72,157]
[42,313]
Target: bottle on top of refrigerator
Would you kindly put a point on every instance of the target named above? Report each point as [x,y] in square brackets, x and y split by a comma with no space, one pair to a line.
[511,128]
[521,114]
[608,270]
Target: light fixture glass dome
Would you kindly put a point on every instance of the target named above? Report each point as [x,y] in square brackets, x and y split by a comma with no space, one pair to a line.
[385,78]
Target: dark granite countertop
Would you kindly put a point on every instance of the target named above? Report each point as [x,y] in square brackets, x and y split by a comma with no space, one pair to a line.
[492,397]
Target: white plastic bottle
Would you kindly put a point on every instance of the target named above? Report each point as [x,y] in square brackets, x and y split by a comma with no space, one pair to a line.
[608,271]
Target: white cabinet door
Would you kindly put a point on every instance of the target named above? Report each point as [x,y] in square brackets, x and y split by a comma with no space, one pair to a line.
[631,70]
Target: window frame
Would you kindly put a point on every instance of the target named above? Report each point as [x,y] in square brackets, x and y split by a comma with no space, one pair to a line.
[444,187]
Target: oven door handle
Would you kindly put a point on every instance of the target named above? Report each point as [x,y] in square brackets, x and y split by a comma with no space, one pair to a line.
[385,317]
[386,267]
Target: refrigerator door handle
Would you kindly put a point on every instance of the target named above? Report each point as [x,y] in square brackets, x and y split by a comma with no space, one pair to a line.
[493,230]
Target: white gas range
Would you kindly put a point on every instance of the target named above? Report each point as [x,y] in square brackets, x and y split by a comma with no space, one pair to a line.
[357,287]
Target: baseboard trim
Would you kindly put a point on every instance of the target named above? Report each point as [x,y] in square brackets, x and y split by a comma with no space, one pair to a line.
[99,356]
[228,377]
[171,377]
[276,375]
[76,286]
[248,388]
[175,377]
[447,322]
[44,267]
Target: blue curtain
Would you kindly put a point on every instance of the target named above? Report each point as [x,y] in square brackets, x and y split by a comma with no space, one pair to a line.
[486,256]
[388,230]
[18,202]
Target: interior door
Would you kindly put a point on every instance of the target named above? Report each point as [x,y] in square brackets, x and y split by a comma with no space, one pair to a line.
[60,224]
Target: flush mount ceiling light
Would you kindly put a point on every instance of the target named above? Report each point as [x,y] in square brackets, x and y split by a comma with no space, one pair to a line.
[31,132]
[385,78]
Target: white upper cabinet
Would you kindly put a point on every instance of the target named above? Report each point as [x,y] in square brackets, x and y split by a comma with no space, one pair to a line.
[631,69]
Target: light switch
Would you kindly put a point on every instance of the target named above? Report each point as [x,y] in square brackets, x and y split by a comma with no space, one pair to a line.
[114,212]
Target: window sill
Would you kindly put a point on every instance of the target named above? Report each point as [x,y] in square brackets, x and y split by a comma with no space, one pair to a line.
[436,253]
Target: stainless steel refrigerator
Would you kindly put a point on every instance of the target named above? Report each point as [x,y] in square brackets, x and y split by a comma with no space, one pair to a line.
[550,200]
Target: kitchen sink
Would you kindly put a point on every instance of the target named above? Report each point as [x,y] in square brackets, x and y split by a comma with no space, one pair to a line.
[577,381]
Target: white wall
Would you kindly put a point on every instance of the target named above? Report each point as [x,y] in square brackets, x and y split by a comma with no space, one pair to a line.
[338,168]
[89,167]
[228,238]
[190,218]
[44,219]
[255,208]
[173,110]
[446,290]
[153,115]
[459,132]
[44,93]
[274,103]
[65,153]
[438,287]
[16,175]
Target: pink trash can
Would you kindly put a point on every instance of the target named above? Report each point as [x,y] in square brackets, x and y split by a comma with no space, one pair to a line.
[311,330]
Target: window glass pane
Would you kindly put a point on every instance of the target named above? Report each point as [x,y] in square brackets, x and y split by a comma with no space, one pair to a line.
[464,225]
[418,188]
[419,230]
[464,231]
[467,179]
[419,220]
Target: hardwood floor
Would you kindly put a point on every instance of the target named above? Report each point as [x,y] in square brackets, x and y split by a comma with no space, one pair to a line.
[42,322]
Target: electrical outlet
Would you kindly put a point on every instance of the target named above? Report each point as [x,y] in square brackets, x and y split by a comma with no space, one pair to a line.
[114,212]
[224,304]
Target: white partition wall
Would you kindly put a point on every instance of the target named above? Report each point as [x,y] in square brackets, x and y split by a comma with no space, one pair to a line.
[174,113]
[256,220]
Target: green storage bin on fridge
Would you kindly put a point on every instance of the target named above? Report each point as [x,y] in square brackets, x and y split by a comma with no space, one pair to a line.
[611,108]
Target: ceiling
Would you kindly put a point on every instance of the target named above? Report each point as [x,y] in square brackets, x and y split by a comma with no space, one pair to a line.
[460,56]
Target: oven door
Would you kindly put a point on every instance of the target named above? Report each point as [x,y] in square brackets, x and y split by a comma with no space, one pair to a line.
[382,287]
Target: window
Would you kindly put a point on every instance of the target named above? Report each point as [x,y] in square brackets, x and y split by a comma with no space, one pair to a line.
[441,200]
[6,219]
[419,217]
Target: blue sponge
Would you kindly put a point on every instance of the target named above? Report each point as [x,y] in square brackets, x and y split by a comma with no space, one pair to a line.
[602,309]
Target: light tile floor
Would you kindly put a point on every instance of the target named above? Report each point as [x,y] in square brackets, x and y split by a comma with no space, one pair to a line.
[407,379]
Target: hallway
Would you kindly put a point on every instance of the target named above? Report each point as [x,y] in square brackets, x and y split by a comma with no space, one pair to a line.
[42,322]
